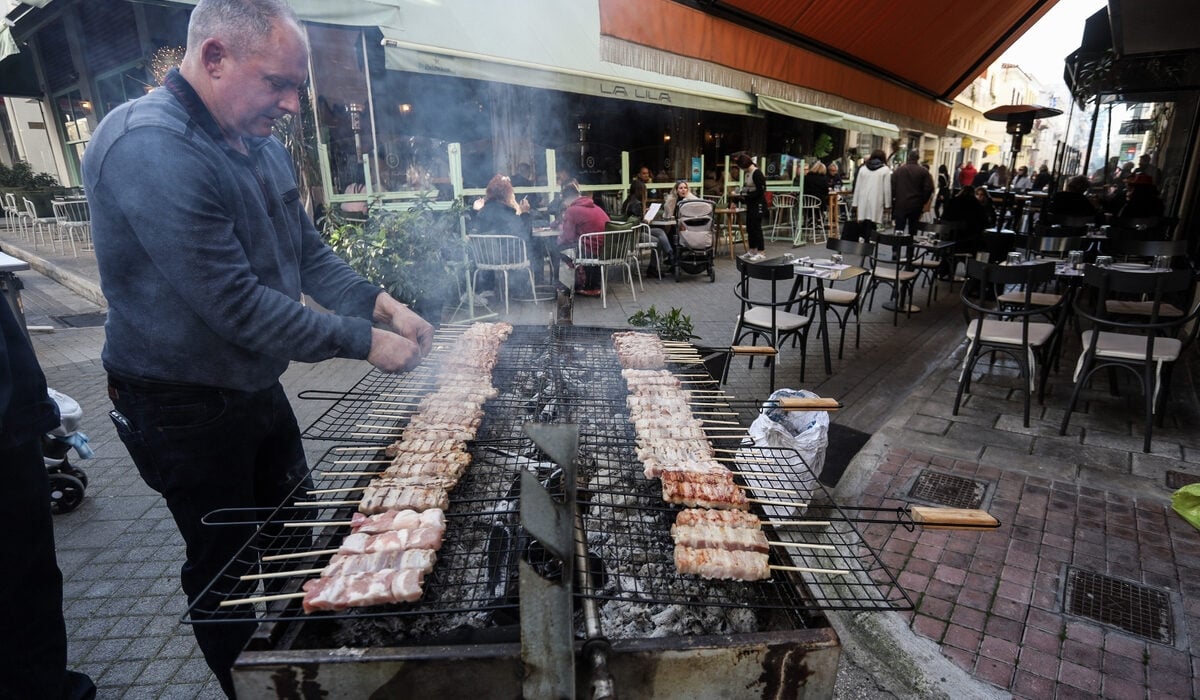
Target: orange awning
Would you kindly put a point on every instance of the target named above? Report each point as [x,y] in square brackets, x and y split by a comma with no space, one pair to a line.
[899,59]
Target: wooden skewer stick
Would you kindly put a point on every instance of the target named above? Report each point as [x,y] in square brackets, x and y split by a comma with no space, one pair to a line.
[362,461]
[325,504]
[348,489]
[744,488]
[280,574]
[710,421]
[386,413]
[800,545]
[259,599]
[299,555]
[375,448]
[797,523]
[381,436]
[807,570]
[317,523]
[795,504]
[714,413]
[372,426]
[353,473]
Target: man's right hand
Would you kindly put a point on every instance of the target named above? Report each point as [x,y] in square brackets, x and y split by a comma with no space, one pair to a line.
[392,352]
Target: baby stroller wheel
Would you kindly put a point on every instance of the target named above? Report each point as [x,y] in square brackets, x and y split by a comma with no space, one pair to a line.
[678,271]
[712,273]
[65,467]
[66,493]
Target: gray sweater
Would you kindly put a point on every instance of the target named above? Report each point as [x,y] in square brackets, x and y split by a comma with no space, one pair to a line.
[204,252]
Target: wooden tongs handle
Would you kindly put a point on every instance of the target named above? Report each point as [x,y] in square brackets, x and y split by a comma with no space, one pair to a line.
[952,518]
[814,404]
[752,350]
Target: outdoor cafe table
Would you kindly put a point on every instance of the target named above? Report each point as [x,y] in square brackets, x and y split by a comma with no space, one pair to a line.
[729,216]
[809,273]
[923,244]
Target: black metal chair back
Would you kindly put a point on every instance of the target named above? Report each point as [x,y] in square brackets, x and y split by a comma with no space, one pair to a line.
[777,325]
[1145,344]
[993,325]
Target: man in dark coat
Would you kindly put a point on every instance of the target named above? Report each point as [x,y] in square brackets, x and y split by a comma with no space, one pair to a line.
[912,186]
[33,636]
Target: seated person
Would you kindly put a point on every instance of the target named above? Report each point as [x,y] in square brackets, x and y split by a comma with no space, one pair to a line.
[835,177]
[580,215]
[1022,182]
[816,184]
[966,209]
[524,178]
[632,211]
[1071,201]
[984,199]
[1141,199]
[500,214]
[681,191]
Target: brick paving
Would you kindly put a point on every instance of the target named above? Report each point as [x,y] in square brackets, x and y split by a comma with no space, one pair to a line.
[992,601]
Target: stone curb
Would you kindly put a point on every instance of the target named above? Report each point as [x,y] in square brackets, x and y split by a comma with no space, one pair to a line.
[82,286]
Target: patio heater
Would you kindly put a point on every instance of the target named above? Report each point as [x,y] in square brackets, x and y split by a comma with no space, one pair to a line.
[1018,121]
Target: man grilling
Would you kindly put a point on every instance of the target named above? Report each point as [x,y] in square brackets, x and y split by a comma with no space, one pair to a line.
[204,250]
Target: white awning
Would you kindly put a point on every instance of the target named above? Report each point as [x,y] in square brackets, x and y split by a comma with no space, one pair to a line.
[811,113]
[554,46]
[871,126]
[825,115]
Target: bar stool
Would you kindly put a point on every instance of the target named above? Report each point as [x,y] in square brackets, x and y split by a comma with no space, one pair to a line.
[812,219]
[783,214]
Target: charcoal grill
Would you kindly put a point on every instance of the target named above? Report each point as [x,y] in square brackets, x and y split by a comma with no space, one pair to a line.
[665,635]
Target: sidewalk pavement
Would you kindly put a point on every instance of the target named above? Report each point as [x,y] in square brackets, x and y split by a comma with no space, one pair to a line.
[1090,588]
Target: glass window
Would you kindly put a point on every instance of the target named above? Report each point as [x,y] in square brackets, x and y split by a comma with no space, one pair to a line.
[74,115]
[120,86]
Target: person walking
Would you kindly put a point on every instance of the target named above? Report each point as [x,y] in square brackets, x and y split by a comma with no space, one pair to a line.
[912,186]
[203,272]
[873,189]
[754,196]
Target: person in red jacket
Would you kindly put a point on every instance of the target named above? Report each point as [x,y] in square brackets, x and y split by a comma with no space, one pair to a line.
[581,215]
[966,176]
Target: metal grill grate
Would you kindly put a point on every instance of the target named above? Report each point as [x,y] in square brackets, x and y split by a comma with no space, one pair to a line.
[562,375]
[947,490]
[1136,609]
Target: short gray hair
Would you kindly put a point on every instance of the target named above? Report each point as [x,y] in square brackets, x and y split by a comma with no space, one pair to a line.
[238,22]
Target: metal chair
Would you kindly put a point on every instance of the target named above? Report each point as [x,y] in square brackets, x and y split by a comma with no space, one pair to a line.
[502,254]
[891,264]
[41,226]
[1147,347]
[766,316]
[1006,328]
[843,302]
[605,249]
[14,214]
[73,221]
[783,215]
[647,245]
[812,221]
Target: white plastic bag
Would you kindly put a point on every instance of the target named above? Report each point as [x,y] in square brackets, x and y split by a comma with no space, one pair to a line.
[806,432]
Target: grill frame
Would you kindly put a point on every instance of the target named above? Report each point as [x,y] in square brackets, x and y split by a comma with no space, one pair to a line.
[553,374]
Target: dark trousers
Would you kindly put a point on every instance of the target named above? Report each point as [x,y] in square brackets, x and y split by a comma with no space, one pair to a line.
[754,232]
[33,637]
[203,449]
[906,221]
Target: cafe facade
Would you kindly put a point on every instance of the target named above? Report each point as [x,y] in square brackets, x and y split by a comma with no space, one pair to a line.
[414,99]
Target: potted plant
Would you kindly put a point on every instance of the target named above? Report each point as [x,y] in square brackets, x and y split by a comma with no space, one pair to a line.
[416,254]
[39,188]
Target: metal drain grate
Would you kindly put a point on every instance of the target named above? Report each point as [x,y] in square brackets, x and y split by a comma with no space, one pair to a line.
[946,490]
[1135,609]
[1177,480]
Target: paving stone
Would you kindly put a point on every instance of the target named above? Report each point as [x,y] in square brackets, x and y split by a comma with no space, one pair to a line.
[1081,677]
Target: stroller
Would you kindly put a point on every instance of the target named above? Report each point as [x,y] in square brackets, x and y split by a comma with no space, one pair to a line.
[694,248]
[67,482]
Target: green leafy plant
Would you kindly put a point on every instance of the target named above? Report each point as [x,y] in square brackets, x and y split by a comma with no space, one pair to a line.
[21,176]
[672,325]
[823,146]
[415,254]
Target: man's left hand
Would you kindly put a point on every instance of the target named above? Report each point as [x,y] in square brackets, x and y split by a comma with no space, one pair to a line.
[403,320]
